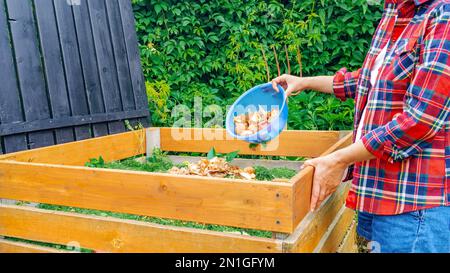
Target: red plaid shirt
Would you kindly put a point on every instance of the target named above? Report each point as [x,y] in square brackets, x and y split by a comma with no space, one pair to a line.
[407,121]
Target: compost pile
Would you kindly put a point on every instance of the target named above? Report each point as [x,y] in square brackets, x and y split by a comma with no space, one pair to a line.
[216,167]
[252,122]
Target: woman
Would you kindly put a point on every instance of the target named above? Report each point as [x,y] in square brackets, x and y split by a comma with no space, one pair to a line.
[401,154]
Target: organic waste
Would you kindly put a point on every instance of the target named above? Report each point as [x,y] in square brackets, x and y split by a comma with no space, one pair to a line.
[215,167]
[252,122]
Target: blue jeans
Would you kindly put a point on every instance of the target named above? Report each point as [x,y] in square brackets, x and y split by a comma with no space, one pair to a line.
[419,231]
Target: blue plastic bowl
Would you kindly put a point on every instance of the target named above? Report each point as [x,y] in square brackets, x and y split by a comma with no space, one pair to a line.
[265,96]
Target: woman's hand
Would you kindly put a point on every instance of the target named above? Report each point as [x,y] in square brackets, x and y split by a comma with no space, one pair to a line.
[328,174]
[291,84]
[294,85]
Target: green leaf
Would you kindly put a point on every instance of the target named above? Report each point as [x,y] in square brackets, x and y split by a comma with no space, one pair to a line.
[212,153]
[230,156]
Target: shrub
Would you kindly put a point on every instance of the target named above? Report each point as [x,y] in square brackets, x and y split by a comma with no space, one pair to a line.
[213,49]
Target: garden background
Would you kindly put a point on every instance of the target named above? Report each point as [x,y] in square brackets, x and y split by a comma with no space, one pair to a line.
[213,49]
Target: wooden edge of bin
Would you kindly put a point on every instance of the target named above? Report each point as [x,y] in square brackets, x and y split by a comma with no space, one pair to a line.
[111,148]
[336,232]
[302,183]
[8,246]
[289,143]
[229,202]
[314,225]
[349,244]
[106,234]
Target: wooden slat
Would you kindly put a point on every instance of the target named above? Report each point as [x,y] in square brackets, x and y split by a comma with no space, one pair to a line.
[10,105]
[289,143]
[75,120]
[336,232]
[113,147]
[302,186]
[72,66]
[349,243]
[121,60]
[120,55]
[116,235]
[89,65]
[311,229]
[134,60]
[302,183]
[105,59]
[7,246]
[230,202]
[56,81]
[30,72]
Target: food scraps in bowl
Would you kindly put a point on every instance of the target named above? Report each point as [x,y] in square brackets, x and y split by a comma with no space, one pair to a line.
[252,122]
[216,167]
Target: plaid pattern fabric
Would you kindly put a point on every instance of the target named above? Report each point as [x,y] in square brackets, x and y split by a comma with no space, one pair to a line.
[407,122]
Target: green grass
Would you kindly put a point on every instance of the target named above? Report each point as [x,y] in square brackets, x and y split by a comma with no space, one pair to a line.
[161,221]
[56,246]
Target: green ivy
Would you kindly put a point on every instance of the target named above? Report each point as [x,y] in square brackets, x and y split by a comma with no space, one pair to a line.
[213,49]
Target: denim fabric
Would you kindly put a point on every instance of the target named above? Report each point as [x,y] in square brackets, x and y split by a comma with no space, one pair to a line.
[364,227]
[419,231]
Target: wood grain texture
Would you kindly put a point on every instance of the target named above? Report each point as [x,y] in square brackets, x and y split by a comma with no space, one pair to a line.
[115,235]
[229,202]
[65,65]
[336,232]
[113,147]
[302,183]
[7,246]
[106,63]
[349,244]
[134,60]
[311,229]
[289,143]
[10,104]
[54,71]
[30,74]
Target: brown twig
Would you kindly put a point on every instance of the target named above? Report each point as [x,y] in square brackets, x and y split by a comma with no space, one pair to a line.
[276,59]
[299,60]
[265,62]
[287,59]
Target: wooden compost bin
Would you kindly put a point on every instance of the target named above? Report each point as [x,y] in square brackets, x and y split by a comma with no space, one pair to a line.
[56,175]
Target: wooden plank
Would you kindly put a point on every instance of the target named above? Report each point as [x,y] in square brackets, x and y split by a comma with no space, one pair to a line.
[29,69]
[230,202]
[68,121]
[10,105]
[345,141]
[336,232]
[302,183]
[89,65]
[120,55]
[113,147]
[54,71]
[105,59]
[349,243]
[72,66]
[7,246]
[289,143]
[309,232]
[115,235]
[302,187]
[134,59]
[121,58]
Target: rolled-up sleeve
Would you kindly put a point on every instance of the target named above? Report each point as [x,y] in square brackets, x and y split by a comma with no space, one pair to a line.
[426,102]
[344,83]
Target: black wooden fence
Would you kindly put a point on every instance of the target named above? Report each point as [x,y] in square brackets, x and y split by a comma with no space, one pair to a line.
[69,70]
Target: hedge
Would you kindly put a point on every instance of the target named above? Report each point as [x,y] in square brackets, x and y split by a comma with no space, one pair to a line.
[214,50]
